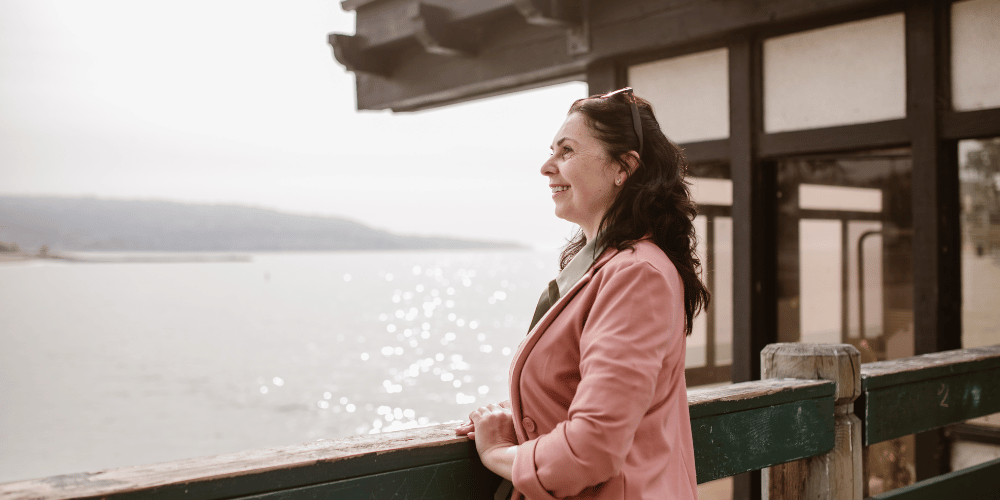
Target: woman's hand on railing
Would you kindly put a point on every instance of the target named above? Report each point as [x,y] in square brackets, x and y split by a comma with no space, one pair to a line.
[496,441]
[469,428]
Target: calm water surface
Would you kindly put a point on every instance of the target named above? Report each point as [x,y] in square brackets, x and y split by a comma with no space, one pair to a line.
[110,365]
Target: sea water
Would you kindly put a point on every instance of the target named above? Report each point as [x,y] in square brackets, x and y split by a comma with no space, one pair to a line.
[116,364]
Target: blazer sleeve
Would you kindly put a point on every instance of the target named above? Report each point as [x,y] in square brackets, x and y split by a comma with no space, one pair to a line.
[623,346]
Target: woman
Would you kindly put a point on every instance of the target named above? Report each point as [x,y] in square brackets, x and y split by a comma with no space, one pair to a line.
[598,403]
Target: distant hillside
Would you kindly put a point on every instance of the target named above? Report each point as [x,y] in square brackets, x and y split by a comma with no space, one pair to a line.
[89,224]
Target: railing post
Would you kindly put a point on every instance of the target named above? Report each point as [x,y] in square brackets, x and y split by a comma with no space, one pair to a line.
[836,475]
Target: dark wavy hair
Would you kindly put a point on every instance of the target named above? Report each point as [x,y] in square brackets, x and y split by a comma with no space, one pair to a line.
[654,200]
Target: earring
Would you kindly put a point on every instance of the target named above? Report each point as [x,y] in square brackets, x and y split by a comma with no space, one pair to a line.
[618,181]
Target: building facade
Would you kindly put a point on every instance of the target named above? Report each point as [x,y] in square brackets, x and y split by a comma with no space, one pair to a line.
[845,156]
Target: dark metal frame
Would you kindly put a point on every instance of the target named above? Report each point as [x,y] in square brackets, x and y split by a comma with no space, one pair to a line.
[931,128]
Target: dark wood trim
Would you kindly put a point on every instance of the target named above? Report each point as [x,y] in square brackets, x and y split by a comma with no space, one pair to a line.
[875,135]
[708,274]
[971,124]
[833,18]
[937,286]
[706,151]
[844,215]
[975,433]
[845,273]
[754,261]
[602,77]
[936,209]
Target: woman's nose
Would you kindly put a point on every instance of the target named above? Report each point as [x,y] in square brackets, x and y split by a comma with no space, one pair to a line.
[548,168]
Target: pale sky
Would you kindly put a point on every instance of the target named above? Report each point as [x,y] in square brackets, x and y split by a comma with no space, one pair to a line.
[241,102]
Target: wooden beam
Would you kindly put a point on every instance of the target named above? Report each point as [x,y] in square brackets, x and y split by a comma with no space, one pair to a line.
[552,13]
[603,77]
[971,124]
[788,420]
[754,236]
[420,80]
[948,387]
[348,51]
[514,53]
[386,22]
[706,151]
[433,29]
[875,135]
[754,266]
[937,264]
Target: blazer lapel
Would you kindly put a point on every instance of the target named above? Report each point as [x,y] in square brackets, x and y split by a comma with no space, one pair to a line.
[529,342]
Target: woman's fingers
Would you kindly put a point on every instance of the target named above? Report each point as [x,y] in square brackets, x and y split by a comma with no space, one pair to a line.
[465,428]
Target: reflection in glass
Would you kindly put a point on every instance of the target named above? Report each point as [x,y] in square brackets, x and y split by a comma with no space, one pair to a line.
[835,211]
[979,177]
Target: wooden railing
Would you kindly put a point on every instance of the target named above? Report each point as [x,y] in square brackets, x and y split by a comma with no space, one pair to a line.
[805,425]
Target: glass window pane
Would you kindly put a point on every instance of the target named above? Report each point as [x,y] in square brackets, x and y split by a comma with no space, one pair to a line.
[819,243]
[869,235]
[690,94]
[820,276]
[819,197]
[707,191]
[722,290]
[696,343]
[979,176]
[975,54]
[840,75]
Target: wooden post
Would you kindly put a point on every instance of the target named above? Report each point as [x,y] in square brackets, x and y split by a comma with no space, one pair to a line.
[836,475]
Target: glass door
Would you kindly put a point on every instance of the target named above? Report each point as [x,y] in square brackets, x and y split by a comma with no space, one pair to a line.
[845,251]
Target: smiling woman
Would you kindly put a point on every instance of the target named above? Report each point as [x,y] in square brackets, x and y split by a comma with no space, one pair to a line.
[598,394]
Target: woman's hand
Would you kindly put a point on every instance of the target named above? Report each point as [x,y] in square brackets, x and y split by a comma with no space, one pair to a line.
[492,427]
[469,428]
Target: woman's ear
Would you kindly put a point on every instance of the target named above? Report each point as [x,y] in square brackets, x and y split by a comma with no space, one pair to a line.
[629,162]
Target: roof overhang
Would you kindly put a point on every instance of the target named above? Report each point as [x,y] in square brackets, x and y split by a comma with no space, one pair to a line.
[411,54]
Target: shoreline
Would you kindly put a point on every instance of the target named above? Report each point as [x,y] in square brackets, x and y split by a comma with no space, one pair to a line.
[129,258]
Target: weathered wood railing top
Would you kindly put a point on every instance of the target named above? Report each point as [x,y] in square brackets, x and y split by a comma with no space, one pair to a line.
[736,428]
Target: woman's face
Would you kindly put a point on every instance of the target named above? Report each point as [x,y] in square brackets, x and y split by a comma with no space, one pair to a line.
[582,175]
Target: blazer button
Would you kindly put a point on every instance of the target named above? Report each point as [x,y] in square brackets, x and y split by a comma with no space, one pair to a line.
[528,424]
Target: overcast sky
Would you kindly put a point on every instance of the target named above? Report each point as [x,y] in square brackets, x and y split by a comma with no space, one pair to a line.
[241,102]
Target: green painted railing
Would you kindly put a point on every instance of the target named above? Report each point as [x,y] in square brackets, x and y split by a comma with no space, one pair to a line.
[798,423]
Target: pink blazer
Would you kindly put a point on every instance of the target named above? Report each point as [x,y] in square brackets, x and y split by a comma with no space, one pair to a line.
[597,387]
